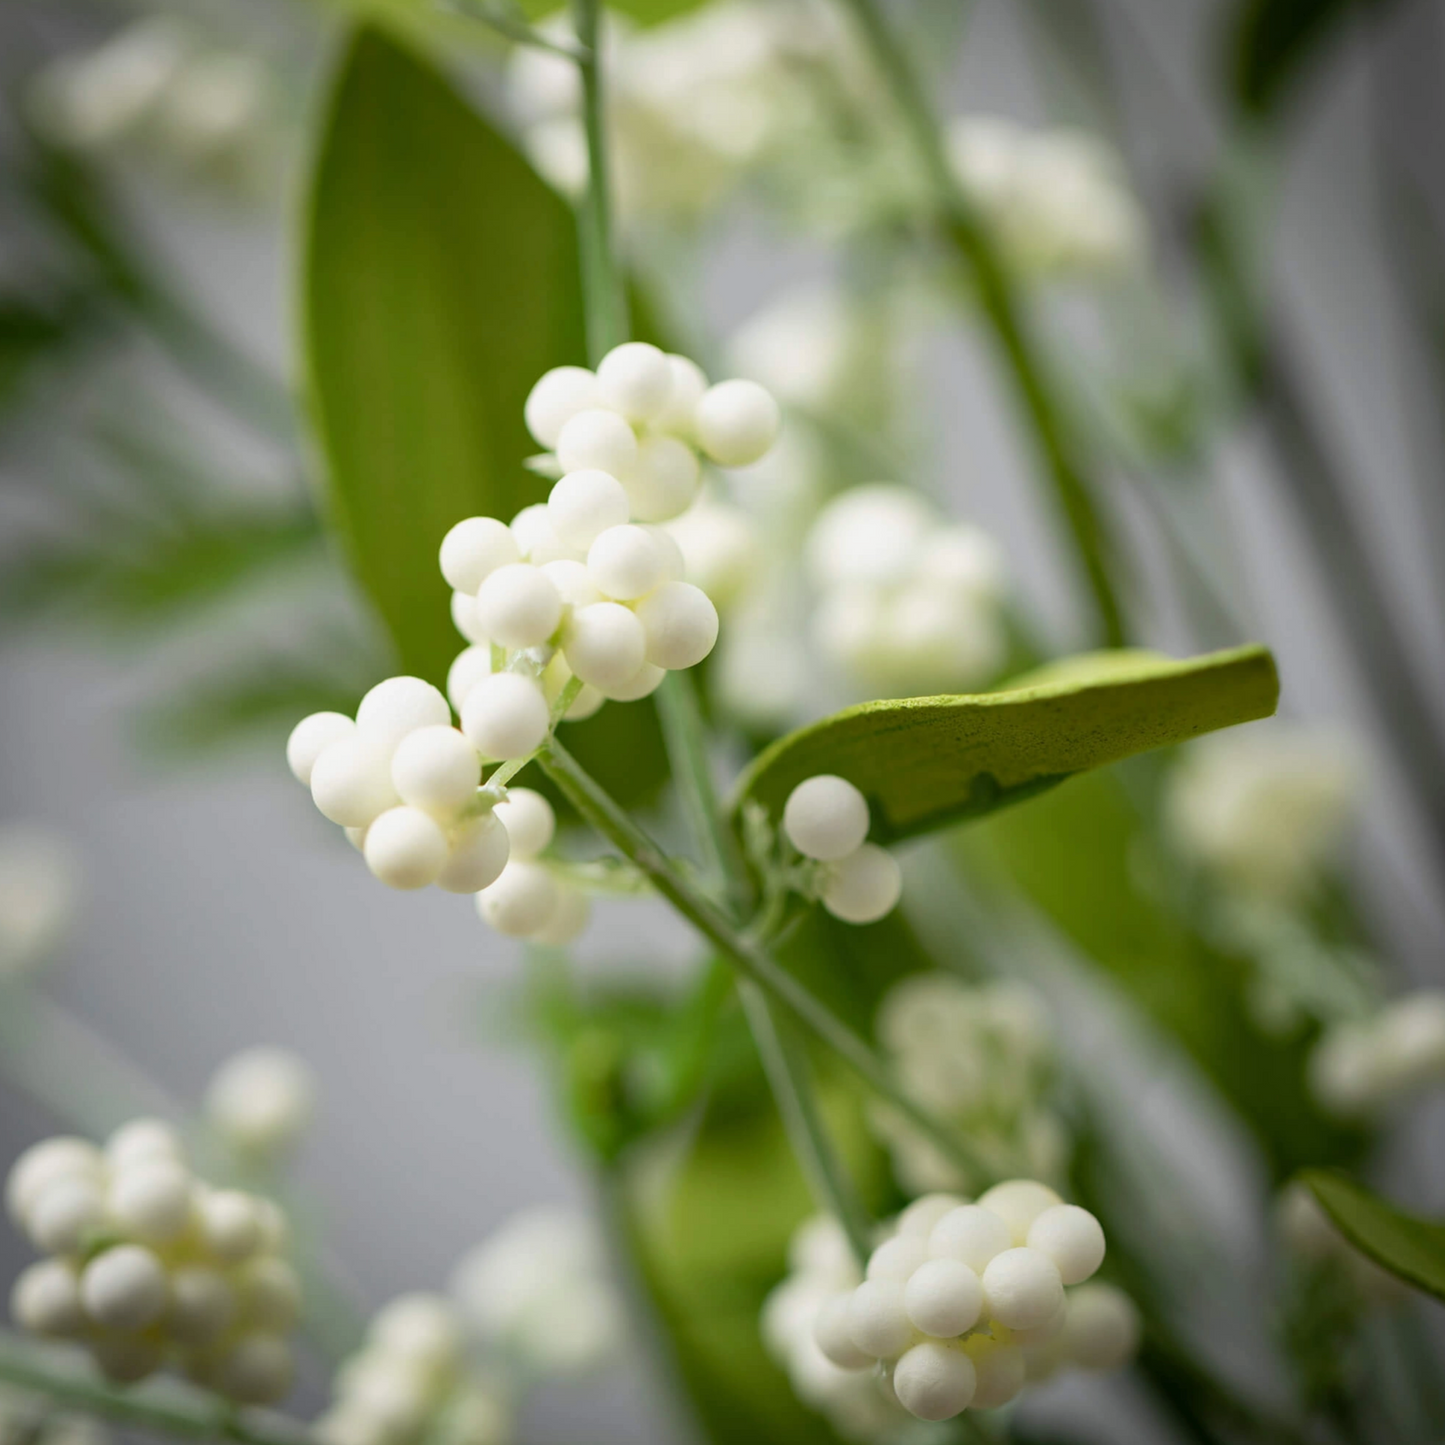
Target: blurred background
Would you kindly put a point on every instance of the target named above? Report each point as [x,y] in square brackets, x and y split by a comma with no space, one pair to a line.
[147,357]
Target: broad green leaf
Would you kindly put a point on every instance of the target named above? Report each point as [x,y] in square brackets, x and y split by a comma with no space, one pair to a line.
[926,762]
[1412,1248]
[440,281]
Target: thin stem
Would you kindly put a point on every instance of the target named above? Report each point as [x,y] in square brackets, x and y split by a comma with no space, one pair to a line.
[603,290]
[747,956]
[792,1086]
[167,1406]
[1074,489]
[509,23]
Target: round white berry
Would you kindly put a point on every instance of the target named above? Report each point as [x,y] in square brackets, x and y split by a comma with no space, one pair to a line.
[521,901]
[1101,1330]
[469,666]
[737,422]
[64,1213]
[528,819]
[573,582]
[826,817]
[1022,1288]
[536,536]
[43,1164]
[308,738]
[422,1329]
[125,1359]
[669,553]
[45,1299]
[635,379]
[143,1139]
[643,683]
[479,851]
[1018,1202]
[256,1370]
[934,1382]
[230,1224]
[124,1288]
[406,848]
[505,716]
[203,1304]
[436,769]
[474,549]
[597,439]
[1072,1238]
[568,920]
[351,781]
[260,1100]
[1000,1369]
[604,644]
[962,559]
[681,625]
[626,562]
[268,1293]
[970,1234]
[464,617]
[556,399]
[896,1258]
[397,706]
[582,504]
[151,1200]
[833,1336]
[719,547]
[663,480]
[920,1216]
[864,886]
[943,1297]
[518,606]
[679,416]
[877,1321]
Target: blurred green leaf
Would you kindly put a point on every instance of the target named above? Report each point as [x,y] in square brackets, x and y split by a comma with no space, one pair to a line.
[1412,1249]
[440,281]
[926,762]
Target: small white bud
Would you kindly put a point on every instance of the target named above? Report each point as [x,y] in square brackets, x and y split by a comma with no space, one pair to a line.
[528,819]
[604,644]
[582,504]
[1101,1331]
[141,1140]
[1072,1238]
[864,886]
[399,705]
[518,606]
[202,1305]
[643,683]
[521,901]
[43,1164]
[826,817]
[437,770]
[877,1320]
[597,439]
[1018,1202]
[422,1329]
[406,848]
[737,422]
[469,666]
[681,625]
[626,562]
[999,1368]
[663,480]
[268,1294]
[1022,1288]
[256,1370]
[260,1100]
[474,549]
[934,1382]
[310,736]
[151,1200]
[679,416]
[536,536]
[573,582]
[896,1258]
[636,380]
[45,1299]
[64,1213]
[479,852]
[124,1288]
[920,1216]
[464,617]
[505,716]
[570,917]
[943,1298]
[833,1337]
[229,1223]
[351,780]
[556,399]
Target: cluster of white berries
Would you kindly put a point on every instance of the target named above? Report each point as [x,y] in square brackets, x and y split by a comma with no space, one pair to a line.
[529,898]
[826,819]
[38,887]
[413,1381]
[1056,200]
[965,1302]
[260,1101]
[980,1056]
[907,604]
[1362,1065]
[149,1265]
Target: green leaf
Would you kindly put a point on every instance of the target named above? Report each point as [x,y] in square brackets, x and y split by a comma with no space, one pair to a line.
[926,762]
[1411,1248]
[440,280]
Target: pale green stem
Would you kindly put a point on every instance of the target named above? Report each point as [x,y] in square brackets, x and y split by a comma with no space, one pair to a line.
[509,23]
[746,955]
[1074,489]
[166,1406]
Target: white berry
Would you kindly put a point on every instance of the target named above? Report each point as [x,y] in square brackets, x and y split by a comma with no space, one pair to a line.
[405,848]
[934,1382]
[635,379]
[310,736]
[260,1100]
[1018,1202]
[464,617]
[537,537]
[943,1297]
[626,562]
[877,1321]
[681,625]
[896,1258]
[479,851]
[521,901]
[864,886]
[834,1338]
[582,504]
[202,1305]
[556,399]
[43,1164]
[528,819]
[920,1216]
[737,422]
[679,416]
[124,1359]
[230,1224]
[151,1200]
[1101,1330]
[970,1234]
[65,1212]
[573,582]
[474,549]
[518,606]
[436,769]
[1022,1288]
[1072,1238]
[256,1370]
[1000,1370]
[395,707]
[643,683]
[351,782]
[826,817]
[142,1139]
[469,666]
[569,918]
[505,716]
[663,480]
[268,1293]
[604,644]
[45,1299]
[597,439]
[124,1288]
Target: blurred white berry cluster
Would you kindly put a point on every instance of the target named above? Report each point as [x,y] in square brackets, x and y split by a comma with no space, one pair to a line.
[1362,1065]
[1057,200]
[907,603]
[149,1265]
[981,1057]
[826,820]
[38,887]
[259,1103]
[961,1304]
[530,1303]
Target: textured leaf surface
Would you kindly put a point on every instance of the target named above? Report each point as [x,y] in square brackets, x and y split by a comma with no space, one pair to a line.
[440,281]
[930,761]
[1412,1248]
